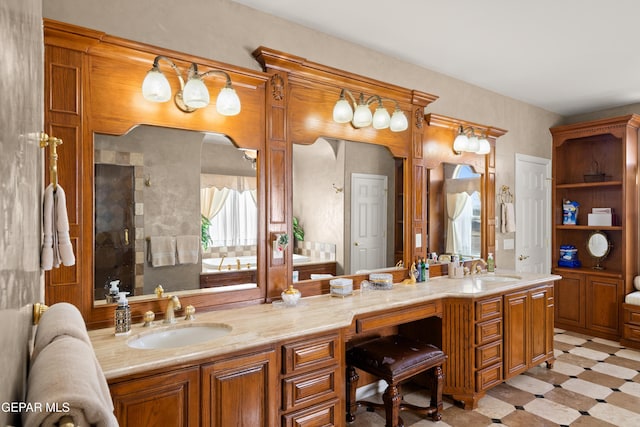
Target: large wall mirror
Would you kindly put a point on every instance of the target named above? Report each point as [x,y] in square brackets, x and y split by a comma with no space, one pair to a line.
[174,208]
[462,193]
[344,200]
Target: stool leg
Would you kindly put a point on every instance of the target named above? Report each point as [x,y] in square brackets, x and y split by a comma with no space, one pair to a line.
[352,386]
[392,399]
[437,383]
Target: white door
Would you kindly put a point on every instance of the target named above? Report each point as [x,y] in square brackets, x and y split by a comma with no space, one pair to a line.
[533,214]
[368,221]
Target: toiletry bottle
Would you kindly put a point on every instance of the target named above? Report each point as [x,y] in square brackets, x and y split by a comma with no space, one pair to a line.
[123,315]
[114,291]
[418,270]
[491,265]
[425,274]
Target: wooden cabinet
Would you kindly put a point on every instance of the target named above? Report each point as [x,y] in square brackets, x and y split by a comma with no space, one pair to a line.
[240,391]
[528,335]
[489,325]
[312,382]
[595,164]
[170,398]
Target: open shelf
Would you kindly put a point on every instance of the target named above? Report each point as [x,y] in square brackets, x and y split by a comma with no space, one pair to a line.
[576,185]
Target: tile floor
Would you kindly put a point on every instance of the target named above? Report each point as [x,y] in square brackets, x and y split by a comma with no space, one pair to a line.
[594,382]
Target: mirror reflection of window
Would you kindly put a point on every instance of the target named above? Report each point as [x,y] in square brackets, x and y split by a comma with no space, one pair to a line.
[463,211]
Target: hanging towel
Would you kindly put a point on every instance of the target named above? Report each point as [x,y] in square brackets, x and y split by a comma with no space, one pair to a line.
[188,248]
[56,243]
[508,216]
[60,319]
[163,251]
[67,374]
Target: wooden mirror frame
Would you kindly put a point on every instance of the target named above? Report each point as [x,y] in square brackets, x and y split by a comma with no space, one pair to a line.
[93,85]
[300,109]
[439,135]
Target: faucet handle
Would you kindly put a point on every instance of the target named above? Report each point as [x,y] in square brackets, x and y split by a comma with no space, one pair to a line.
[159,290]
[189,312]
[148,318]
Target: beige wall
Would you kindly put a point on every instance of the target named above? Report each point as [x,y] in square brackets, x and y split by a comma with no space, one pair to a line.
[229,32]
[21,116]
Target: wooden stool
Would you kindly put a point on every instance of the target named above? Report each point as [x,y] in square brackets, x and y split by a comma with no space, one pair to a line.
[395,359]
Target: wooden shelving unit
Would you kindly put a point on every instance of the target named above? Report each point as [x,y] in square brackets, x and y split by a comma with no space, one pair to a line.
[590,300]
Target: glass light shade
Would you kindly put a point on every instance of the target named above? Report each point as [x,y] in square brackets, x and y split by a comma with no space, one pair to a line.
[195,94]
[362,116]
[381,118]
[461,143]
[485,147]
[399,121]
[228,103]
[342,112]
[155,86]
[474,144]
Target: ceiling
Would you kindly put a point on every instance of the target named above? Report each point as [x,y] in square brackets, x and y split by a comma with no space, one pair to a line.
[566,56]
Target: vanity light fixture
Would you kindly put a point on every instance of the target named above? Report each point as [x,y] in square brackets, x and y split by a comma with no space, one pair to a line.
[360,114]
[467,141]
[192,95]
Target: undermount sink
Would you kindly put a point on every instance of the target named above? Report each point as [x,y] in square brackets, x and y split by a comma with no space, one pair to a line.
[494,279]
[179,336]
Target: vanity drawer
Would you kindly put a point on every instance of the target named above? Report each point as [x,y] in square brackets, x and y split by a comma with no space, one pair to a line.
[488,309]
[631,332]
[306,389]
[489,354]
[326,414]
[310,354]
[631,314]
[488,331]
[488,377]
[399,317]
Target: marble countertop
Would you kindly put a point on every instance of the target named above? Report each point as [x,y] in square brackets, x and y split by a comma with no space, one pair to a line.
[266,324]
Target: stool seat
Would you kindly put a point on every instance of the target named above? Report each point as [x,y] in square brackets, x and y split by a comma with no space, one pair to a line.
[395,359]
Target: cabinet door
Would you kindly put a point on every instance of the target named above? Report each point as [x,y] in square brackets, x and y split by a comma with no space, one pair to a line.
[570,295]
[240,391]
[167,399]
[539,325]
[604,300]
[516,335]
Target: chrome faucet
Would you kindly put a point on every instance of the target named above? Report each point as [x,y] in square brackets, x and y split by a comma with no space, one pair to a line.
[475,268]
[172,305]
[221,261]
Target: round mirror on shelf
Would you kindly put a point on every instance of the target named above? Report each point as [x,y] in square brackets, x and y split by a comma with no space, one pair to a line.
[598,246]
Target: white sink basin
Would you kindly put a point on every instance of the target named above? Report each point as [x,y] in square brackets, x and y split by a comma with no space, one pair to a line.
[179,336]
[496,279]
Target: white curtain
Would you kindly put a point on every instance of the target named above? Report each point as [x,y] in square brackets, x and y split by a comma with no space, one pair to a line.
[459,213]
[236,222]
[211,200]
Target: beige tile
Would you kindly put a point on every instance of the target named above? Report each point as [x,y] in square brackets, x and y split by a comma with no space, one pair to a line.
[589,354]
[555,375]
[610,343]
[630,354]
[494,408]
[615,415]
[587,388]
[530,384]
[511,395]
[615,370]
[552,411]
[576,360]
[631,388]
[569,339]
[566,369]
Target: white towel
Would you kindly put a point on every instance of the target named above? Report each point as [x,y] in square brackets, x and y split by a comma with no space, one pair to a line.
[508,217]
[67,374]
[162,251]
[60,319]
[56,243]
[188,248]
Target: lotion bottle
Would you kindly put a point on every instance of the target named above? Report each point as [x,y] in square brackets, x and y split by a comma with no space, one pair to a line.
[123,315]
[491,265]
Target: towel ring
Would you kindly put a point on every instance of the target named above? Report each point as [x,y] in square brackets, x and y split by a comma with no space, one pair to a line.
[505,195]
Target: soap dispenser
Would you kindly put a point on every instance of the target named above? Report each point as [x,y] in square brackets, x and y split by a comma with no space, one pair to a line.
[114,291]
[123,315]
[491,264]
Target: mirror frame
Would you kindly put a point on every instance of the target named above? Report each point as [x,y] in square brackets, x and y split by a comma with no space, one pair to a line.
[598,257]
[97,90]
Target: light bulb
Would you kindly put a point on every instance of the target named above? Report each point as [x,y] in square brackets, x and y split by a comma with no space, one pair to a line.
[381,118]
[474,144]
[155,86]
[195,94]
[461,143]
[485,147]
[399,121]
[362,116]
[342,112]
[228,103]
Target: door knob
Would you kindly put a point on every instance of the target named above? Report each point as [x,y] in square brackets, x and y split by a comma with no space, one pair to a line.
[523,257]
[356,244]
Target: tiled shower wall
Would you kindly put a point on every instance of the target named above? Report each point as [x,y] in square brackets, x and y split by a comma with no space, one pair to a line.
[21,118]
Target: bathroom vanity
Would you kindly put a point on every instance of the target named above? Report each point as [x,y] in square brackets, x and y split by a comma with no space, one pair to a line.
[285,365]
